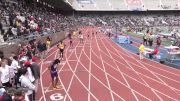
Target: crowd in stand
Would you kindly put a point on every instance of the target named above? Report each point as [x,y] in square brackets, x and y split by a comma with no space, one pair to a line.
[27,20]
[20,73]
[18,19]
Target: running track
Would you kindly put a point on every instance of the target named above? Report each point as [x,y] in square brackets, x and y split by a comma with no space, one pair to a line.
[100,70]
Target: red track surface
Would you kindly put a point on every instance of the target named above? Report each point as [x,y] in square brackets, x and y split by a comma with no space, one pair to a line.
[100,70]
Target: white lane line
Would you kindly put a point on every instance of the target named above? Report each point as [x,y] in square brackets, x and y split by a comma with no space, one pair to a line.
[162,82]
[47,55]
[61,80]
[78,59]
[150,87]
[123,73]
[89,87]
[120,73]
[152,62]
[89,92]
[42,89]
[48,64]
[134,80]
[146,69]
[133,70]
[136,73]
[41,98]
[99,80]
[112,97]
[72,75]
[45,71]
[67,94]
[151,71]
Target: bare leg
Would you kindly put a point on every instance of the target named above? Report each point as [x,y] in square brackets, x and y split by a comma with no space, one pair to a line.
[56,82]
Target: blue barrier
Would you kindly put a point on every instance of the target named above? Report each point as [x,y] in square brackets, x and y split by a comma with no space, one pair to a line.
[123,39]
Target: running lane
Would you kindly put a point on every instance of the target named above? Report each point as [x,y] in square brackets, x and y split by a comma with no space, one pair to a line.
[100,70]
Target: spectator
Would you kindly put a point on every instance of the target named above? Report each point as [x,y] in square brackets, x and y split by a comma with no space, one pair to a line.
[1,28]
[150,40]
[158,41]
[15,66]
[153,53]
[1,55]
[4,72]
[29,53]
[6,97]
[27,64]
[26,83]
[36,71]
[40,47]
[144,39]
[141,51]
[19,95]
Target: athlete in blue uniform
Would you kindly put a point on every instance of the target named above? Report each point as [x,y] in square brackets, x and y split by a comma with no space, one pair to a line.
[54,73]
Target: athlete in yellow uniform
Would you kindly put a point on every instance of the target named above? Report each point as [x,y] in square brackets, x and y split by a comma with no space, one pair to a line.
[141,51]
[61,47]
[74,34]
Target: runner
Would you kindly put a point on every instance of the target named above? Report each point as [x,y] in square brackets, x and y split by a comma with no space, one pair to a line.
[70,35]
[109,34]
[61,47]
[71,43]
[88,35]
[54,73]
[93,34]
[81,38]
[74,34]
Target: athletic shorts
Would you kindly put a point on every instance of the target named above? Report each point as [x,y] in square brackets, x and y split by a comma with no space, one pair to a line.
[61,50]
[54,74]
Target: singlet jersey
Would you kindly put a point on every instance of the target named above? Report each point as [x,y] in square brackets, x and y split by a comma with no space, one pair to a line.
[74,33]
[61,46]
[48,42]
[53,68]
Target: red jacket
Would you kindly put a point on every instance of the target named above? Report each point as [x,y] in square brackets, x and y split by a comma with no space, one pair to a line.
[155,51]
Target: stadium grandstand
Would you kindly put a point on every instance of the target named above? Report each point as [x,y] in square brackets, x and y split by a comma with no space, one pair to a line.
[89,50]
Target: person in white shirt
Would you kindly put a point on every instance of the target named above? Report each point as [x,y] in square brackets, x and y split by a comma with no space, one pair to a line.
[14,69]
[4,74]
[26,83]
[27,65]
